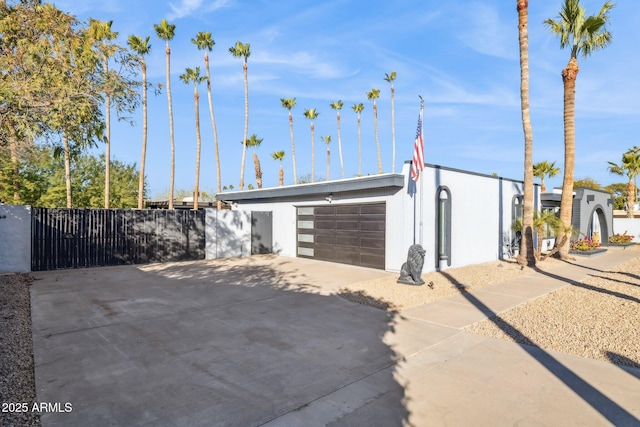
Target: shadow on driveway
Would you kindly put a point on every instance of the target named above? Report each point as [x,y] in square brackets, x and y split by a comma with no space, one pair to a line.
[228,342]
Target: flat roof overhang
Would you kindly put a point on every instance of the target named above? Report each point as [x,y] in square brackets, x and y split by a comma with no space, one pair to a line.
[324,188]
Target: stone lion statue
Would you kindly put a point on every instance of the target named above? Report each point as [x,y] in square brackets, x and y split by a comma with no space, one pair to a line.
[412,269]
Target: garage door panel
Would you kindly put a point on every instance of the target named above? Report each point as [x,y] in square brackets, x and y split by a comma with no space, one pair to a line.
[349,234]
[379,209]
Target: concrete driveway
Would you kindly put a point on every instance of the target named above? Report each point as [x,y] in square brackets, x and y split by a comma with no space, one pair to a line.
[265,341]
[228,342]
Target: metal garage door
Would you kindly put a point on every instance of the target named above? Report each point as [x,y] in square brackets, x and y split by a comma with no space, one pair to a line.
[348,234]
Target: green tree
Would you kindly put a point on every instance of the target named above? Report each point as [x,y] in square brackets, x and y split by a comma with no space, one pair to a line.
[629,166]
[358,108]
[279,155]
[166,32]
[337,105]
[204,42]
[254,142]
[526,255]
[586,182]
[142,47]
[543,169]
[103,35]
[243,51]
[289,103]
[192,75]
[312,114]
[327,140]
[390,78]
[372,95]
[583,35]
[618,192]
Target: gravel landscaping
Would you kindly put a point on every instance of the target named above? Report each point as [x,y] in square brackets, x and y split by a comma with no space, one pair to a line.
[17,381]
[598,318]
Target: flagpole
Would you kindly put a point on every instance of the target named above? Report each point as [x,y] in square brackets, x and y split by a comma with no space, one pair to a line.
[421,167]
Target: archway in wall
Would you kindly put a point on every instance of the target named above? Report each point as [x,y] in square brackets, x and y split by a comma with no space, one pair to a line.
[598,224]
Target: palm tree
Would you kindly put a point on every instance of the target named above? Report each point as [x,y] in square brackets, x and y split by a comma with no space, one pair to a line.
[192,75]
[357,108]
[254,142]
[204,42]
[243,51]
[630,166]
[543,169]
[526,256]
[312,114]
[390,78]
[166,32]
[337,105]
[142,47]
[289,103]
[279,155]
[583,35]
[102,33]
[327,140]
[372,95]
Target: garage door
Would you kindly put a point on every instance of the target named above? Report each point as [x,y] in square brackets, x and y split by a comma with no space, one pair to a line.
[348,234]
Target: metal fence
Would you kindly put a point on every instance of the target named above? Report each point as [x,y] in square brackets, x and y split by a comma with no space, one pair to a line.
[78,238]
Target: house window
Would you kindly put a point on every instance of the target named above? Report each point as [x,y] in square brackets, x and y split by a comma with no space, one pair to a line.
[443,221]
[516,209]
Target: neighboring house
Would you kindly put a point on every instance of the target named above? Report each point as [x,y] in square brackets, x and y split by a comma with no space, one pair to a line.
[592,214]
[459,217]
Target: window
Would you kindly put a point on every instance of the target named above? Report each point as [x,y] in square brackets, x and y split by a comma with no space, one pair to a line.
[443,223]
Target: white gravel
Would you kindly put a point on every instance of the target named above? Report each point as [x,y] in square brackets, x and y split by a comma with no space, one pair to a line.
[598,318]
[17,380]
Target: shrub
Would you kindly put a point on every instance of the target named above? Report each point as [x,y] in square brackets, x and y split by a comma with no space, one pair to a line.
[585,244]
[621,239]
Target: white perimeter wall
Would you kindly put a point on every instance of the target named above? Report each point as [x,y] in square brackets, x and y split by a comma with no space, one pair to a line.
[227,233]
[630,225]
[15,239]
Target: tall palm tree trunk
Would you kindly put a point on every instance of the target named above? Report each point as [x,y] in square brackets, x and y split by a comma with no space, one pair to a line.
[171,133]
[144,136]
[393,130]
[281,177]
[375,128]
[328,165]
[15,170]
[293,149]
[107,152]
[569,75]
[340,147]
[196,195]
[313,157]
[526,255]
[67,168]
[246,125]
[258,169]
[359,149]
[215,131]
[631,197]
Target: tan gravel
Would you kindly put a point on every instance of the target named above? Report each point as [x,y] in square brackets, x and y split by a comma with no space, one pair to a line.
[385,293]
[598,318]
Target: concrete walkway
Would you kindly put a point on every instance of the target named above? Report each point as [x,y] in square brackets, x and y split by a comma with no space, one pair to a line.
[264,341]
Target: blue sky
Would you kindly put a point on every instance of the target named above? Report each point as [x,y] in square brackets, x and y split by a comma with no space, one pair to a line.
[460,55]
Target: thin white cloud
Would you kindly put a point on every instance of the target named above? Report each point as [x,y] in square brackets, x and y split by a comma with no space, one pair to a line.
[191,7]
[487,32]
[304,63]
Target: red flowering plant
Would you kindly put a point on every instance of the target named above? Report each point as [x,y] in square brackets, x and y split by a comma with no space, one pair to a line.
[585,244]
[621,239]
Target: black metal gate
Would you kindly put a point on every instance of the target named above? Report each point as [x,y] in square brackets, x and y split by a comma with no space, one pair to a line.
[78,238]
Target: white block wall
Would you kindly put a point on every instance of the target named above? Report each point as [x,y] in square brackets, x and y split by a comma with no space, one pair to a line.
[227,233]
[15,239]
[630,225]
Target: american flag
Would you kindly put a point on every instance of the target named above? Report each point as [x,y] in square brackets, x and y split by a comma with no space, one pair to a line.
[418,152]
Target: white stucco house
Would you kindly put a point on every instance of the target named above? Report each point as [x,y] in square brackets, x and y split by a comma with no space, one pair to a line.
[459,217]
